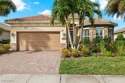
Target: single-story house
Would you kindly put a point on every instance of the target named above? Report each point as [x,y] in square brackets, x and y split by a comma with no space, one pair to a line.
[121,30]
[35,32]
[4,32]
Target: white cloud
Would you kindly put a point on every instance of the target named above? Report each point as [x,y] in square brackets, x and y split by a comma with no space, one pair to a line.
[20,5]
[36,2]
[45,12]
[103,4]
[115,18]
[93,0]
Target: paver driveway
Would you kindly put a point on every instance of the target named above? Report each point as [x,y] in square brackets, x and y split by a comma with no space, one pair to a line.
[41,62]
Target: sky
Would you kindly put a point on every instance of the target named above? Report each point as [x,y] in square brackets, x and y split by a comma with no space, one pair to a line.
[43,7]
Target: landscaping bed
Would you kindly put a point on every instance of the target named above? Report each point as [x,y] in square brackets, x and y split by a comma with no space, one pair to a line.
[97,57]
[93,66]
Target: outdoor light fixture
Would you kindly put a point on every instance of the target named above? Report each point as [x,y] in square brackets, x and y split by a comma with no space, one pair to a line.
[13,34]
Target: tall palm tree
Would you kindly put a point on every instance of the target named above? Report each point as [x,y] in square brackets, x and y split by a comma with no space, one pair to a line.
[60,12]
[116,7]
[63,8]
[6,6]
[88,9]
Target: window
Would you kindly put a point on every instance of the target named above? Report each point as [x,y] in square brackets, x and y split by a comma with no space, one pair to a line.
[111,33]
[85,33]
[99,32]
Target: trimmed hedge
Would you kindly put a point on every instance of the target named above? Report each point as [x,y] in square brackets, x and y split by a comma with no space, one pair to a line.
[4,48]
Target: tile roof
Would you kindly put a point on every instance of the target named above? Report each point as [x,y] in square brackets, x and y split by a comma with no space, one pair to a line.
[32,18]
[100,21]
[120,30]
[4,27]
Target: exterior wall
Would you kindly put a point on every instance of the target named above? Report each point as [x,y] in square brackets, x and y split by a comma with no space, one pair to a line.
[106,32]
[14,31]
[5,35]
[92,31]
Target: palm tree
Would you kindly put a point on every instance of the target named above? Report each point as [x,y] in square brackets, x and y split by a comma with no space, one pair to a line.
[6,6]
[60,12]
[63,8]
[88,9]
[116,7]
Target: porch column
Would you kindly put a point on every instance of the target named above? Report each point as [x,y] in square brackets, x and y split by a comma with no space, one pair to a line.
[92,33]
[106,31]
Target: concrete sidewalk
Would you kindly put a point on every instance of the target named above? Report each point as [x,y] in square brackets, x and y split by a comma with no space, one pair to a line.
[44,78]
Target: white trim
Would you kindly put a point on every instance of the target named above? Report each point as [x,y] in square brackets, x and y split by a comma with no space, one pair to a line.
[102,30]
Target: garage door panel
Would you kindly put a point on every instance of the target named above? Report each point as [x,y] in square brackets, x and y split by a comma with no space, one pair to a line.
[50,43]
[38,41]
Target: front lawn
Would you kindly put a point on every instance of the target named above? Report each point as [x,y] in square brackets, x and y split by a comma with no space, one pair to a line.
[94,66]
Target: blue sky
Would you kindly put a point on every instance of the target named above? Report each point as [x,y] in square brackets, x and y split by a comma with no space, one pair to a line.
[36,7]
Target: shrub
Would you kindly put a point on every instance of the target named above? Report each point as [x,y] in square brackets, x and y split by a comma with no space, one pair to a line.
[107,53]
[84,51]
[75,53]
[97,40]
[4,48]
[107,40]
[120,37]
[86,41]
[5,41]
[103,49]
[121,50]
[65,52]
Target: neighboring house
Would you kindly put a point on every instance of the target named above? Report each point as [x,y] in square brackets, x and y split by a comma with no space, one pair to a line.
[35,32]
[122,30]
[4,32]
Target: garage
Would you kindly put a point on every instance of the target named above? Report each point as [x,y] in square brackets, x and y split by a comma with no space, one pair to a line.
[37,41]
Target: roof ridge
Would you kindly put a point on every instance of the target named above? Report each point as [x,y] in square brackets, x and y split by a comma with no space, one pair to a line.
[28,17]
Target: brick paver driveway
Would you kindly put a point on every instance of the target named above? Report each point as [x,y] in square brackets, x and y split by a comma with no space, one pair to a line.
[42,62]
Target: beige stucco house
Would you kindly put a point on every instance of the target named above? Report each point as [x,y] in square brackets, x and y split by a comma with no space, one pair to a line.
[121,30]
[4,32]
[35,32]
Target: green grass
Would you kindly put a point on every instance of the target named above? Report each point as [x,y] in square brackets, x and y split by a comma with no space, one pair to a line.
[94,66]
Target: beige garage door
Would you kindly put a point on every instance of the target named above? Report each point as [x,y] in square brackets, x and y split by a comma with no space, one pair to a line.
[38,41]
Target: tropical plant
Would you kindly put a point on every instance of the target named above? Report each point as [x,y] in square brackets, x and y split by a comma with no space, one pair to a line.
[116,7]
[63,8]
[6,6]
[60,12]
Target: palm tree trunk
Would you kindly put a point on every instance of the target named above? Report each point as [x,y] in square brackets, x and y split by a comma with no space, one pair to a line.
[81,34]
[74,33]
[69,36]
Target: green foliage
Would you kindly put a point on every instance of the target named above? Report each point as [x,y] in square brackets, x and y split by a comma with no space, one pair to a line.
[85,41]
[5,41]
[107,40]
[65,52]
[121,50]
[84,51]
[120,47]
[116,7]
[103,49]
[6,6]
[4,48]
[75,53]
[97,40]
[120,37]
